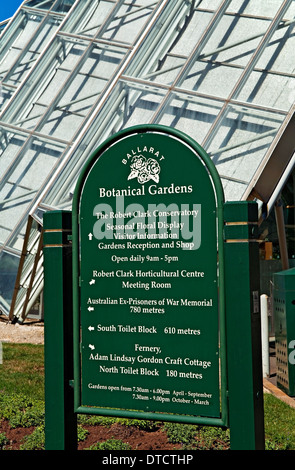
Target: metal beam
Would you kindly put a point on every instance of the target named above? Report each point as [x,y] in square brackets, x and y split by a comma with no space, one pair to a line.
[281,234]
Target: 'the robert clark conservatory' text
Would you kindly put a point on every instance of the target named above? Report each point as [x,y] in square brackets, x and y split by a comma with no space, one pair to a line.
[149,223]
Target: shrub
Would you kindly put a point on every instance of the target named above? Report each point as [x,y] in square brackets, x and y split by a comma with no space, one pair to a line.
[180,433]
[110,444]
[3,441]
[21,411]
[35,441]
[197,437]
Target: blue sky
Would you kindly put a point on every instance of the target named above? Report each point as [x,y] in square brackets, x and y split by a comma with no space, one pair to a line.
[8,8]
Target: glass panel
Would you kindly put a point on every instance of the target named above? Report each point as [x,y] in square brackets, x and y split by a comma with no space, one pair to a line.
[11,143]
[88,18]
[46,79]
[14,39]
[62,6]
[23,179]
[233,188]
[211,79]
[13,201]
[130,104]
[30,25]
[5,95]
[3,25]
[9,266]
[209,4]
[276,56]
[129,18]
[269,90]
[76,93]
[71,86]
[290,14]
[220,63]
[272,81]
[60,194]
[36,164]
[140,104]
[240,142]
[252,7]
[164,52]
[40,4]
[29,55]
[191,114]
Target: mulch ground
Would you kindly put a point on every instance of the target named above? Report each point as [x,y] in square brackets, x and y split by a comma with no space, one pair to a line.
[136,438]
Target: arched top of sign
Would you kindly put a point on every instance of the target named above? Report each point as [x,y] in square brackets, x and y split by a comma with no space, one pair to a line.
[152,129]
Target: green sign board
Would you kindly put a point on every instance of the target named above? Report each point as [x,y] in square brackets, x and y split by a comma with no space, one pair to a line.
[150,305]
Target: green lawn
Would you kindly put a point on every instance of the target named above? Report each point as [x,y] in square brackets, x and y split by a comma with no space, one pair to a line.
[22,370]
